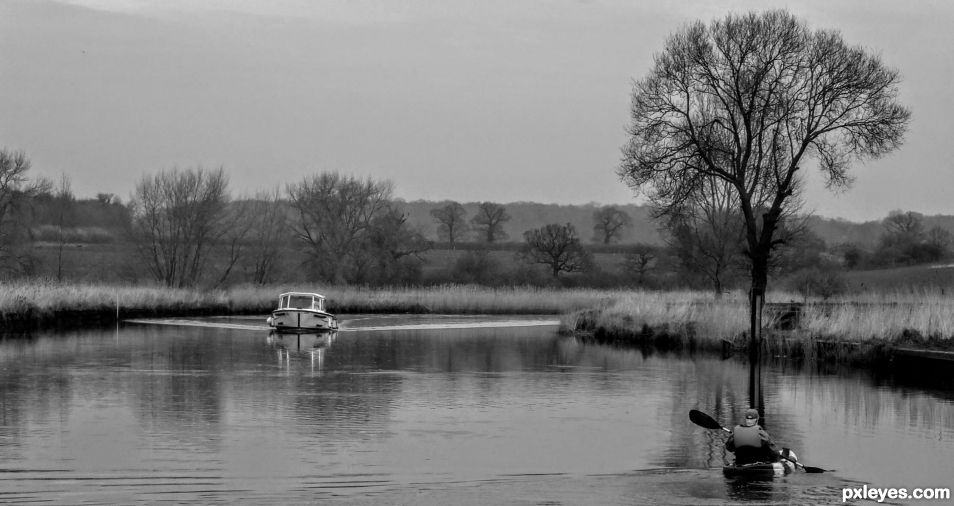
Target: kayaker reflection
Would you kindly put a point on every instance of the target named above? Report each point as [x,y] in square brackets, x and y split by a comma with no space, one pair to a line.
[750,443]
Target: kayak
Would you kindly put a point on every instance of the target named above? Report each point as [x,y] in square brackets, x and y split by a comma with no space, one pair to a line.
[761,470]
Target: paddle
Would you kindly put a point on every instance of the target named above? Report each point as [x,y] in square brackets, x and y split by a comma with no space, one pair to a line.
[703,420]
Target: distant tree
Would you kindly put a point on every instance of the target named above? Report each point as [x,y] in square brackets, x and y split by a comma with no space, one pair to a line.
[747,100]
[451,222]
[395,248]
[178,216]
[352,232]
[16,193]
[853,255]
[706,234]
[233,244]
[557,247]
[904,240]
[488,221]
[903,228]
[938,241]
[106,199]
[64,204]
[609,224]
[267,233]
[334,216]
[639,261]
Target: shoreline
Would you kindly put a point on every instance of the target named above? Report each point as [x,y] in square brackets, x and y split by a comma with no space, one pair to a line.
[41,306]
[796,345]
[870,331]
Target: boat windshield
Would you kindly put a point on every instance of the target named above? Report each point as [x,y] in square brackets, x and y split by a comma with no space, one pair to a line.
[300,302]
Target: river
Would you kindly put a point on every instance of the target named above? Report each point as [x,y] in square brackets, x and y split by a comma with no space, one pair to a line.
[518,415]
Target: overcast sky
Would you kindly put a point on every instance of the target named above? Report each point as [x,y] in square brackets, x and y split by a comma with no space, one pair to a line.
[465,100]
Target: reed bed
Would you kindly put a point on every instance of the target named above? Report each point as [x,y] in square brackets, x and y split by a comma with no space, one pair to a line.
[879,317]
[695,315]
[44,301]
[700,319]
[684,317]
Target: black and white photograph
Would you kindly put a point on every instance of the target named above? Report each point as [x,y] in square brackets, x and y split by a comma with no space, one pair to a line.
[476,252]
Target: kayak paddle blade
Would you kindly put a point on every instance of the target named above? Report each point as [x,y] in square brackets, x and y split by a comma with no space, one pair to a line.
[810,469]
[703,420]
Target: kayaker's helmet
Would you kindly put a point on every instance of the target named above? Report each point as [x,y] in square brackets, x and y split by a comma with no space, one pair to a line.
[751,417]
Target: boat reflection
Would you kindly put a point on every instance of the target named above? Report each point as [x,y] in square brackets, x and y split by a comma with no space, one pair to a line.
[311,345]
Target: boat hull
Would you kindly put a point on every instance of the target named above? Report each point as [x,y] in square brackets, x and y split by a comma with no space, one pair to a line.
[757,471]
[301,341]
[762,470]
[302,320]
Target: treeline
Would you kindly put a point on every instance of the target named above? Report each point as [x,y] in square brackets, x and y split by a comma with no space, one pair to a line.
[185,228]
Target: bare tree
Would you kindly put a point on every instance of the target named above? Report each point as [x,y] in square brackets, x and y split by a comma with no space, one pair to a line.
[63,214]
[334,217]
[269,230]
[488,221]
[707,233]
[639,261]
[903,228]
[178,215]
[609,224]
[395,247]
[16,191]
[451,222]
[748,100]
[556,246]
[939,239]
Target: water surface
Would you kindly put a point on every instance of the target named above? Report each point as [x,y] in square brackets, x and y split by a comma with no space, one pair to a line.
[499,415]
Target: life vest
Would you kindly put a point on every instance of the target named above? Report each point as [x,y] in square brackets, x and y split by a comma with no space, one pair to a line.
[747,436]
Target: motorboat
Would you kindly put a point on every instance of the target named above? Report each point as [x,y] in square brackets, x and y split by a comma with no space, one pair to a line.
[302,312]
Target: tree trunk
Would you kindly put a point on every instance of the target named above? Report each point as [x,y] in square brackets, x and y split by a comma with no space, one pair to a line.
[756,302]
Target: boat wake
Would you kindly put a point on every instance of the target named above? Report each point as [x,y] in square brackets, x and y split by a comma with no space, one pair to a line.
[484,324]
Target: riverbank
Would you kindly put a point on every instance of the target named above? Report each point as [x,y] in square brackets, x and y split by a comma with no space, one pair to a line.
[34,305]
[865,329]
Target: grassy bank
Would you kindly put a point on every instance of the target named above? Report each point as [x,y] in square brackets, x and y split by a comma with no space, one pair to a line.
[40,304]
[863,328]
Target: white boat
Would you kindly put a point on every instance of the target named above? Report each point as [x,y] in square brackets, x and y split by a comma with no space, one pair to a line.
[302,312]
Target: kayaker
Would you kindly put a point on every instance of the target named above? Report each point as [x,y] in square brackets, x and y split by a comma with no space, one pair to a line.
[750,443]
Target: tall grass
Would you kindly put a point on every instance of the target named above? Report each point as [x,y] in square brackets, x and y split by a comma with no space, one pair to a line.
[888,316]
[680,313]
[45,299]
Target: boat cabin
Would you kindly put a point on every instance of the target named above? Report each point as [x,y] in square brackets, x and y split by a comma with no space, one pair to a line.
[300,300]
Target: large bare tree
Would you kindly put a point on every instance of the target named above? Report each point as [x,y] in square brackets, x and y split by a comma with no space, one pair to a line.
[749,100]
[178,216]
[335,216]
[269,231]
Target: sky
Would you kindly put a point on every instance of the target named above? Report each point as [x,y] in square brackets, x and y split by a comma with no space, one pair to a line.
[497,100]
